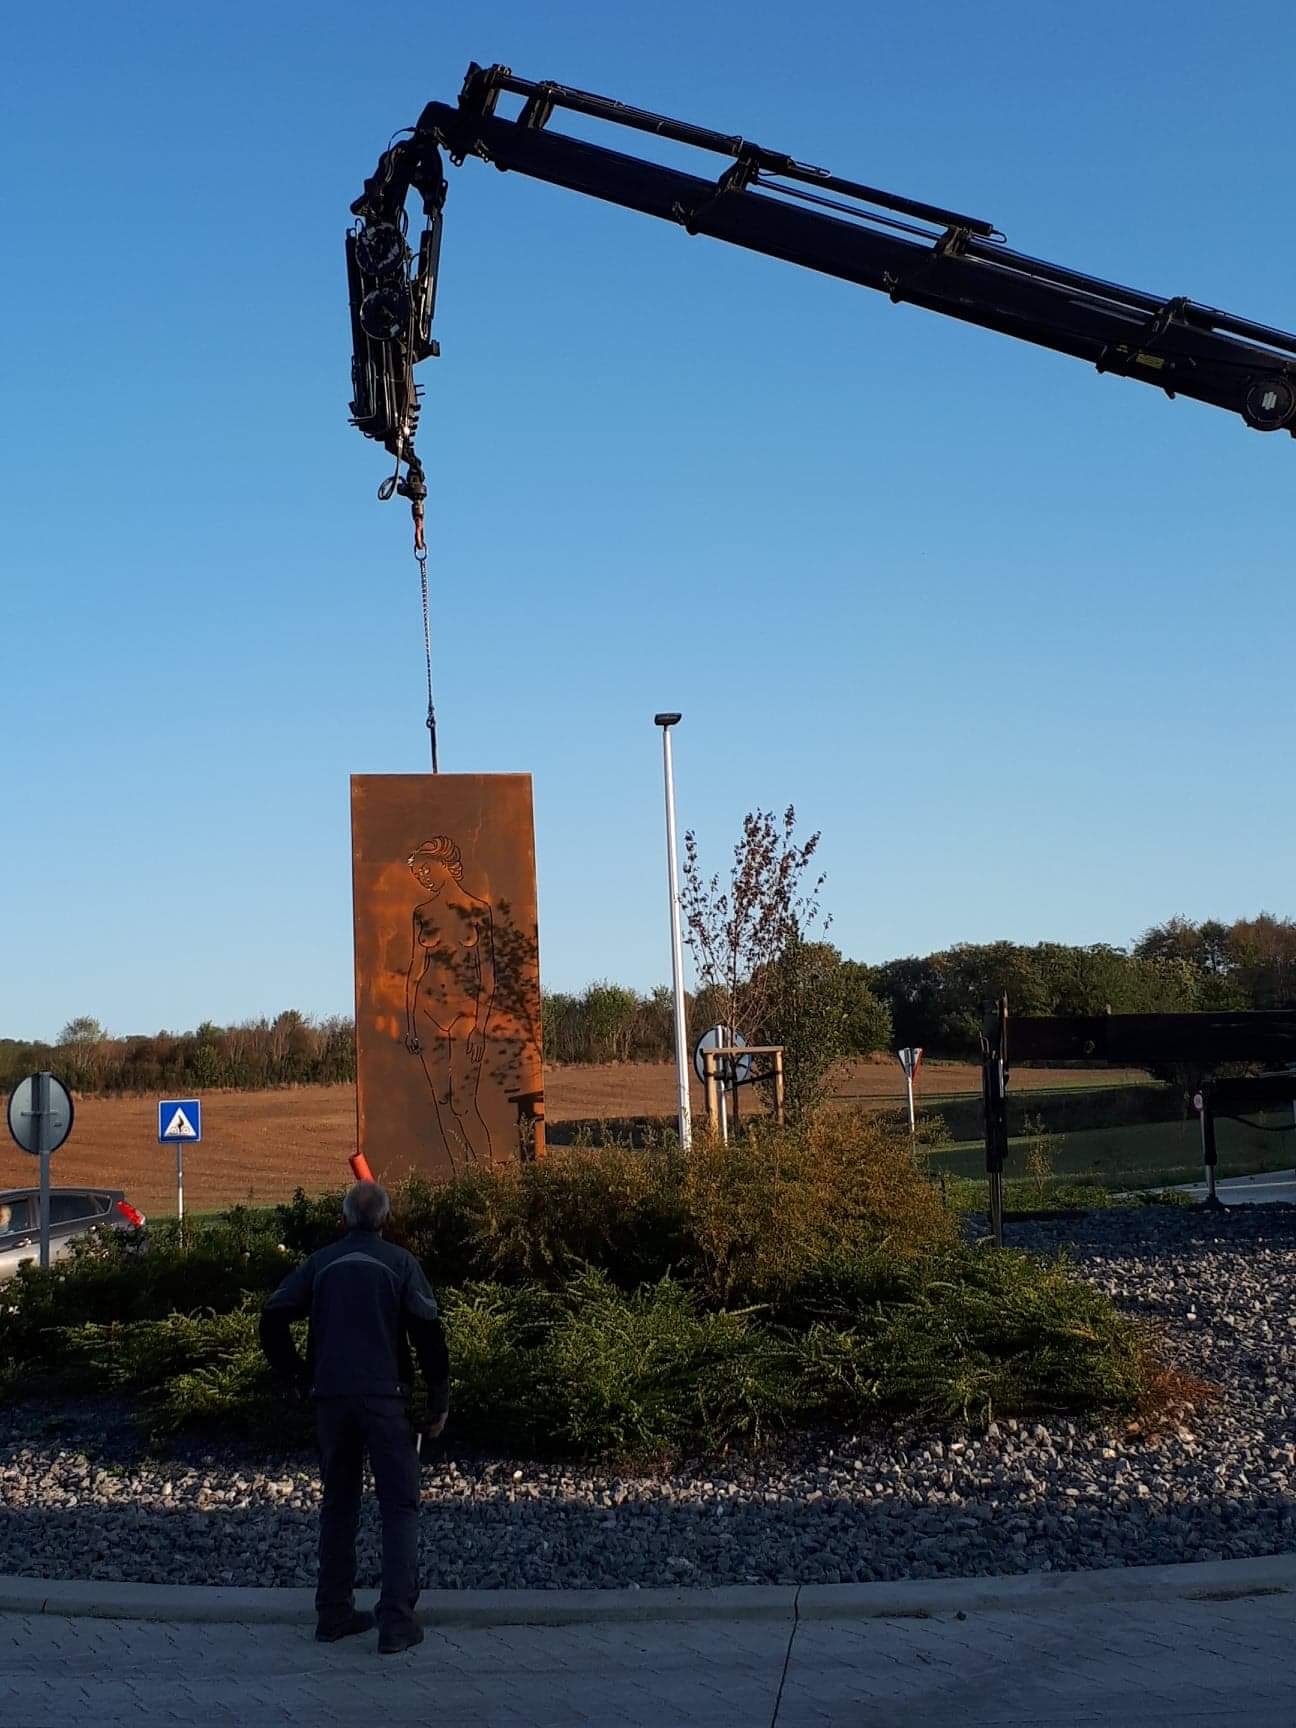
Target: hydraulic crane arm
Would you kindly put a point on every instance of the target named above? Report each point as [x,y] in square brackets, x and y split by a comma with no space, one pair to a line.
[770,203]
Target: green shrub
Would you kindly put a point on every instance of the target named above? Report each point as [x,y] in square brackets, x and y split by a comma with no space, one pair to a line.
[141,1355]
[589,1370]
[234,1393]
[964,1194]
[493,1334]
[983,1333]
[742,1219]
[767,1209]
[643,1374]
[586,1370]
[108,1283]
[617,1302]
[309,1222]
[611,1206]
[841,1286]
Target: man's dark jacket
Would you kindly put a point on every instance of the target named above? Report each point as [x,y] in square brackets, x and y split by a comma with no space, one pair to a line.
[367,1300]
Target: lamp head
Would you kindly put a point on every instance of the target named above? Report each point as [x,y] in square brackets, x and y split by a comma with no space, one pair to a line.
[664,720]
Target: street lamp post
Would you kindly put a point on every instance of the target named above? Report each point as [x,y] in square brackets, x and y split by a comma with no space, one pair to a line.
[666,721]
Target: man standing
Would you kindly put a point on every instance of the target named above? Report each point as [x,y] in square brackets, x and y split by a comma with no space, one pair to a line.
[366,1300]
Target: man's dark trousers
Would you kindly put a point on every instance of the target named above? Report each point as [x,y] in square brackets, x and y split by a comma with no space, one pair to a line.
[348,1428]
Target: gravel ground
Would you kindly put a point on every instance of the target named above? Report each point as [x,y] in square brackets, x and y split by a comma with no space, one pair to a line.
[909,1503]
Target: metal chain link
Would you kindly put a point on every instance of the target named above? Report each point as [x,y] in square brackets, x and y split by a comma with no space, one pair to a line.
[388,490]
[421,555]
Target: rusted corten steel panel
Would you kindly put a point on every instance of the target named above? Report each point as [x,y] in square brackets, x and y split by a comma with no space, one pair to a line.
[447,969]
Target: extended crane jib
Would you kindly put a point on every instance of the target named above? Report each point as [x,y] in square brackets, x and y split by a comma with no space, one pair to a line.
[772,203]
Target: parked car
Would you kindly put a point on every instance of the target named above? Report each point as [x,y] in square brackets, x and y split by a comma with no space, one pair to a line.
[73,1212]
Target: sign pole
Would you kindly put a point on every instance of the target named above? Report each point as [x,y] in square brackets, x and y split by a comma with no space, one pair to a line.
[44,1211]
[712,1107]
[40,1119]
[723,1063]
[1210,1155]
[42,1115]
[910,1057]
[683,1102]
[179,1119]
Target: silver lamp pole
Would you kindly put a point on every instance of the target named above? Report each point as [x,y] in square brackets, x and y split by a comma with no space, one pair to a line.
[666,721]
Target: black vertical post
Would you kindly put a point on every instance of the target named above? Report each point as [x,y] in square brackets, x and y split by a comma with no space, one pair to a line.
[41,1111]
[994,1097]
[1210,1152]
[987,1095]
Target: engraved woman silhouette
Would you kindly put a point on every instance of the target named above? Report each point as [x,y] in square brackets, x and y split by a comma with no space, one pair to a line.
[449,993]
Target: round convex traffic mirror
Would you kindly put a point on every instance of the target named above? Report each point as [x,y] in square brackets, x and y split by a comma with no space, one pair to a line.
[734,1070]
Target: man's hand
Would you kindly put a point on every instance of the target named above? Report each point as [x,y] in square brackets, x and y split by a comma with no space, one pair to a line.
[434,1427]
[476,1046]
[412,1044]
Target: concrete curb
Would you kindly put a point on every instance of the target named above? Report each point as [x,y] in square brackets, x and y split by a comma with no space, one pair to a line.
[919,1598]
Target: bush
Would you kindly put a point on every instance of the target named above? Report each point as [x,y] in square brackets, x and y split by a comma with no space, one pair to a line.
[1024,1195]
[594,1371]
[971,1333]
[186,1371]
[617,1303]
[493,1333]
[231,1390]
[106,1282]
[611,1206]
[588,1370]
[821,1010]
[141,1355]
[629,1376]
[985,1333]
[737,1221]
[769,1208]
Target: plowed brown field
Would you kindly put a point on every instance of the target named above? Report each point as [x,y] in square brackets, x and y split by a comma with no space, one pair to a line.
[258,1146]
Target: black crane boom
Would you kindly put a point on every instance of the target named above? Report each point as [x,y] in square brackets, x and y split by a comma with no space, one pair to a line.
[769,202]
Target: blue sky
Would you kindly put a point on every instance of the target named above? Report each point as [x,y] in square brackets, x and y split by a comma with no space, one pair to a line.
[1017,638]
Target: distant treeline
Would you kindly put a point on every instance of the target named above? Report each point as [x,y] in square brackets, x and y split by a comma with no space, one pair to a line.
[610,1023]
[1174,968]
[934,1001]
[292,1049]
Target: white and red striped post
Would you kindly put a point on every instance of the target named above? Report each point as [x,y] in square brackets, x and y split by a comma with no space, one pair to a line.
[911,1061]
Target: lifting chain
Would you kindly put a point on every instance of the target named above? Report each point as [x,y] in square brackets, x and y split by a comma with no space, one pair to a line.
[414,491]
[414,487]
[420,553]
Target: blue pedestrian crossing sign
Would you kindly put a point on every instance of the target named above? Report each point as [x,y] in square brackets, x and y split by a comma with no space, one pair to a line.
[179,1119]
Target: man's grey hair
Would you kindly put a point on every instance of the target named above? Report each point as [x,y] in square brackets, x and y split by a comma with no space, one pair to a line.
[366,1206]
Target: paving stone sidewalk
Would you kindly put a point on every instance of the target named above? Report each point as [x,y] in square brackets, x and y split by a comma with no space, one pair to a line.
[1186,1664]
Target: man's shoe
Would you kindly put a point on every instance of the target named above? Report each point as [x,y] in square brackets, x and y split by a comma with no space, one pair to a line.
[361,1620]
[392,1643]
